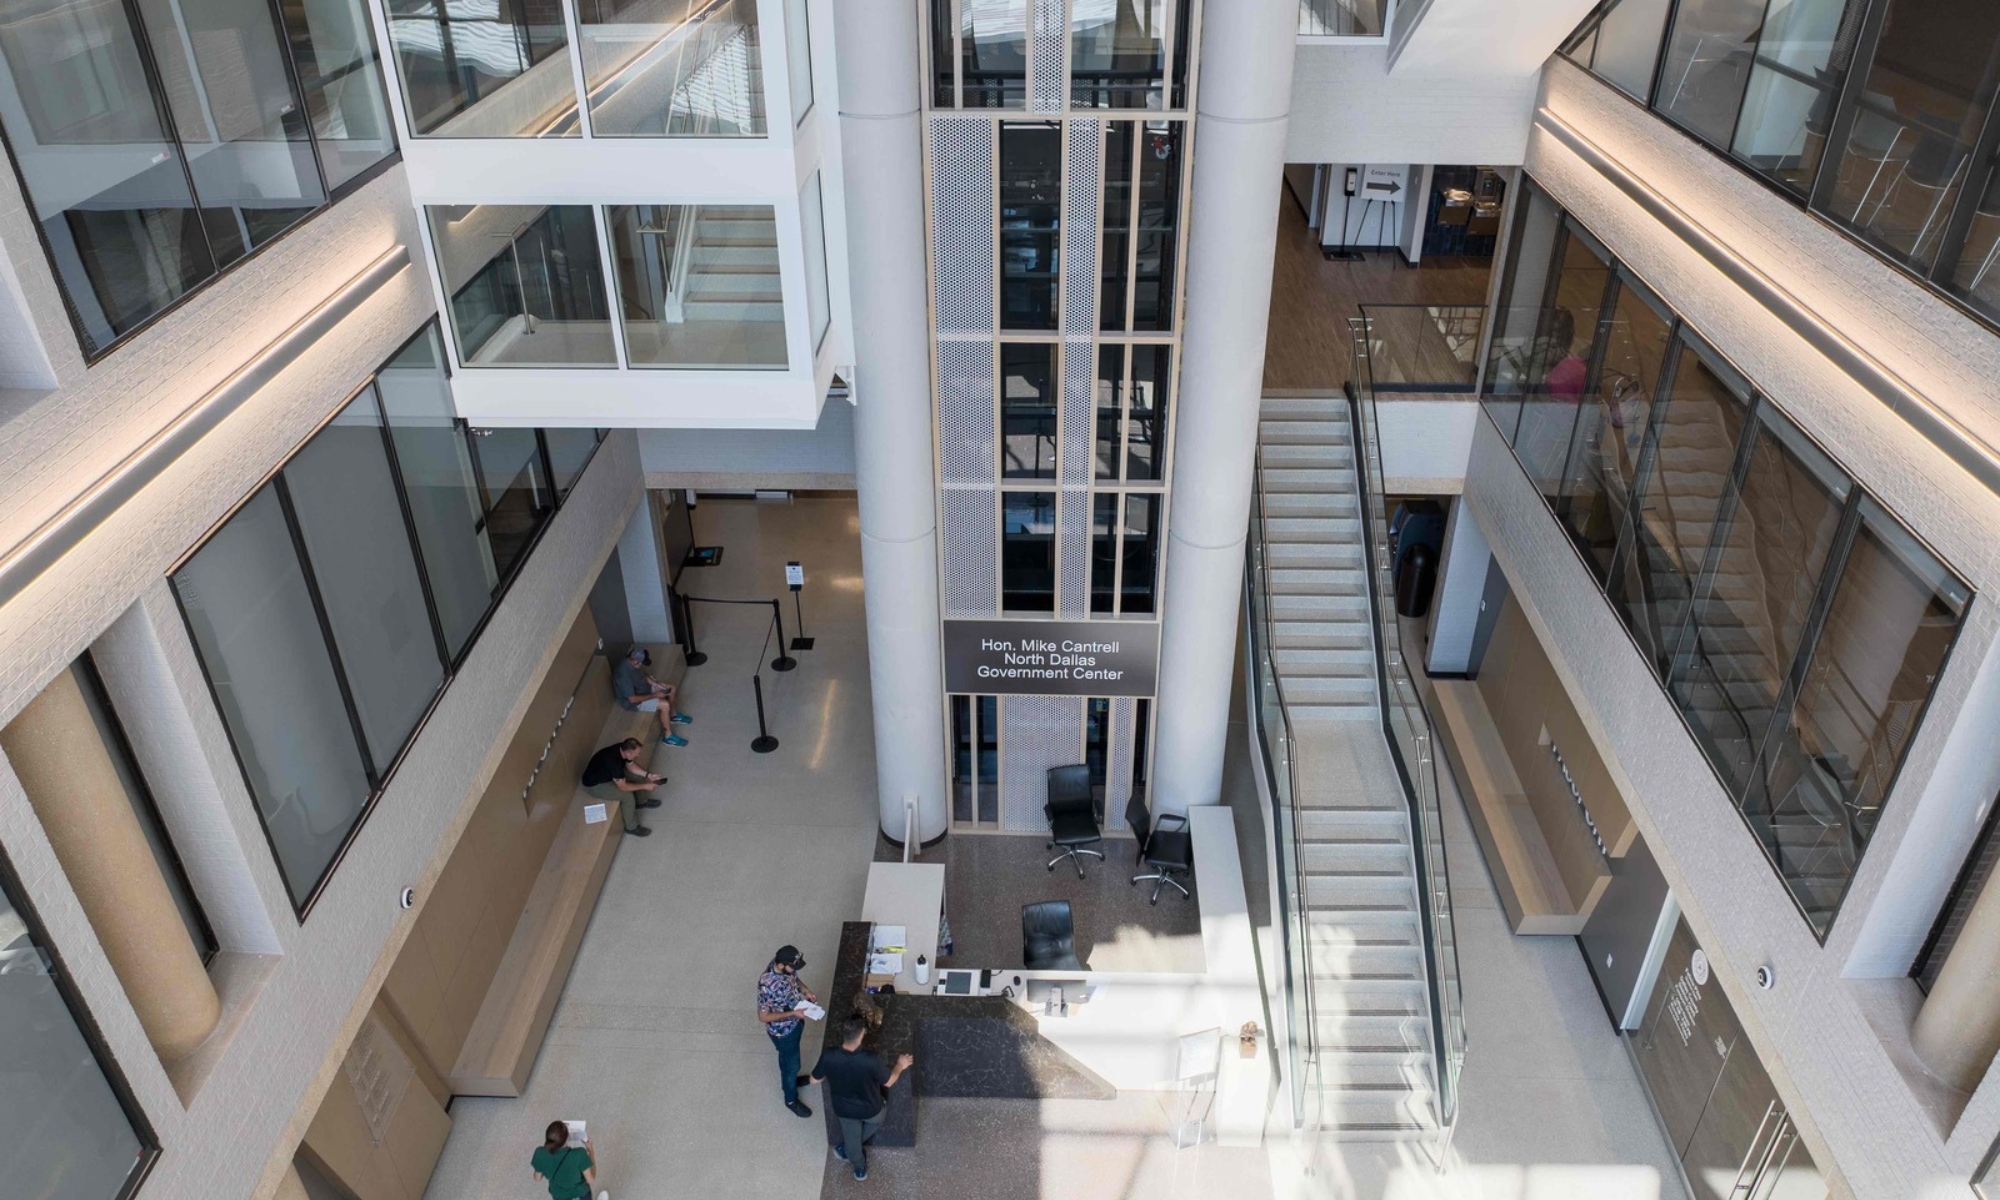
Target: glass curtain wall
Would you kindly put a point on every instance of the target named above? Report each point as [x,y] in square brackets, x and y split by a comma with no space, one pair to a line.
[1130,54]
[1117,53]
[1878,115]
[497,69]
[329,611]
[812,224]
[1028,552]
[526,284]
[1028,410]
[160,144]
[77,1133]
[1796,625]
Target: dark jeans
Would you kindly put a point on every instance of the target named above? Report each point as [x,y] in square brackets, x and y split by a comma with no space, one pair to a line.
[788,1060]
[854,1135]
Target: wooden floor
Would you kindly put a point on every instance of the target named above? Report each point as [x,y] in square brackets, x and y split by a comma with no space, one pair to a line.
[1311,300]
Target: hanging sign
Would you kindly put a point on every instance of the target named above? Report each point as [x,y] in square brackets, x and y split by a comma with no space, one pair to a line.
[1051,658]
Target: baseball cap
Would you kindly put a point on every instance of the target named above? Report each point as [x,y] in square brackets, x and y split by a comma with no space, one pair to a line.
[640,653]
[789,956]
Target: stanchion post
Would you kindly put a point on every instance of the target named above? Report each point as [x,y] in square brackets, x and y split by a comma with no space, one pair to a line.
[784,661]
[763,743]
[694,656]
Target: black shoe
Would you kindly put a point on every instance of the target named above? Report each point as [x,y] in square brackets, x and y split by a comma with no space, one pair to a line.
[799,1108]
[840,1152]
[647,804]
[641,831]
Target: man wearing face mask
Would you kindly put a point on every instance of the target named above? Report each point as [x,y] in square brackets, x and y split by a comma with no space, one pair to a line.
[781,1000]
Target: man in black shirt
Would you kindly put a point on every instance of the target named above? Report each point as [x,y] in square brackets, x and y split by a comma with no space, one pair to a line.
[614,776]
[858,1081]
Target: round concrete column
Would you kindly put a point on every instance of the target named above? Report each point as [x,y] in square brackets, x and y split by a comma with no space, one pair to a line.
[1957,1030]
[65,768]
[882,160]
[1242,104]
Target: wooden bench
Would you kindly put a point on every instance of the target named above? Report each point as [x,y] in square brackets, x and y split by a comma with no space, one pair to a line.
[1524,868]
[506,1036]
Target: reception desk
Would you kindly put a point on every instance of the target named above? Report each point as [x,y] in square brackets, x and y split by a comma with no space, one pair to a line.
[1121,1031]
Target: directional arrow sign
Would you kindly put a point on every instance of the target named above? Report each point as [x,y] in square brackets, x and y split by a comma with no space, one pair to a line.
[1383,181]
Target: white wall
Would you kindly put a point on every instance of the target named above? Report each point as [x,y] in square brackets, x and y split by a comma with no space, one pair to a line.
[1426,442]
[822,457]
[1348,107]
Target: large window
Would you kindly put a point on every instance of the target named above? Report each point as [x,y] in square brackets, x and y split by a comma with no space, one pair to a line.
[1879,115]
[160,144]
[1030,224]
[526,284]
[330,609]
[1028,552]
[699,285]
[1129,54]
[1796,625]
[76,1133]
[1027,410]
[650,69]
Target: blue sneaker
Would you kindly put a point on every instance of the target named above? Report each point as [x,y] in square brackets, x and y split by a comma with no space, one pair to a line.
[681,718]
[840,1152]
[675,740]
[860,1173]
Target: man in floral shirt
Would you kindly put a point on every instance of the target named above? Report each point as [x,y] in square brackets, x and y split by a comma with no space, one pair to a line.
[781,1000]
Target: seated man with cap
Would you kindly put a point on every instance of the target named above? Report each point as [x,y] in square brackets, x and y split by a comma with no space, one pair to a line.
[638,691]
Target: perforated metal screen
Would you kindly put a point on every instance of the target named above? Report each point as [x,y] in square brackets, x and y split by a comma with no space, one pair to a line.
[1037,732]
[962,223]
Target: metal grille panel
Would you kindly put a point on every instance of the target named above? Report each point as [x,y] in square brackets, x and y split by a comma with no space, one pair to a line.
[1036,733]
[1045,82]
[962,223]
[965,413]
[970,572]
[1118,769]
[1084,155]
[1073,554]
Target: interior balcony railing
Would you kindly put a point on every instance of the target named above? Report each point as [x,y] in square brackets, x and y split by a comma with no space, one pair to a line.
[1344,18]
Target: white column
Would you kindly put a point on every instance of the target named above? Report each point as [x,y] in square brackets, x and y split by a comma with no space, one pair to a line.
[1460,589]
[881,151]
[1239,160]
[645,585]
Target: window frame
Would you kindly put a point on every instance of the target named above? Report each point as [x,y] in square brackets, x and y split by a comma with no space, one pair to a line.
[379,780]
[218,272]
[1683,334]
[1867,38]
[15,893]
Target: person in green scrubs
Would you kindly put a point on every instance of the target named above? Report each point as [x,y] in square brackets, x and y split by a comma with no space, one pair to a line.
[570,1170]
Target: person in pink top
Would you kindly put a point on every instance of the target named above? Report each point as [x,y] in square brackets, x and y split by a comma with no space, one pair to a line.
[1565,380]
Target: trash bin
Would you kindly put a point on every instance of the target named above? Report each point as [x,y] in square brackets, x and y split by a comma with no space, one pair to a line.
[1416,578]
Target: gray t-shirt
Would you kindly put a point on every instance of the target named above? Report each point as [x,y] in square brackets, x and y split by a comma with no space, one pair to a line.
[628,679]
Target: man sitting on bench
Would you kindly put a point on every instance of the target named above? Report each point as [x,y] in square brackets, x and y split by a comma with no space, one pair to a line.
[638,691]
[614,776]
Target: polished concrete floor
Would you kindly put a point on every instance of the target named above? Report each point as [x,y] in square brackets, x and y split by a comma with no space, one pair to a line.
[1308,344]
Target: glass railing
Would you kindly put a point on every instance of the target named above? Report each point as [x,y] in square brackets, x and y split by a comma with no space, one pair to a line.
[1274,729]
[1406,722]
[1343,18]
[1422,347]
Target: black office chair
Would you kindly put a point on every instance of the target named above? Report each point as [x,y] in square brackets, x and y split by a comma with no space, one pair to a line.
[1072,814]
[1167,850]
[1048,937]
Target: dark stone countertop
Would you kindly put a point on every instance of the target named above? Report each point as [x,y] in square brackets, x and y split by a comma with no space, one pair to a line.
[963,1045]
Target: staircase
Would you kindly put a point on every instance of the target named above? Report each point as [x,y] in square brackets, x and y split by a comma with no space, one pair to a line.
[1319,600]
[1370,996]
[733,270]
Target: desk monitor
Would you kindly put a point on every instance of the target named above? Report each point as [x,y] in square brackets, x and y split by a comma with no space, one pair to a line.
[1041,991]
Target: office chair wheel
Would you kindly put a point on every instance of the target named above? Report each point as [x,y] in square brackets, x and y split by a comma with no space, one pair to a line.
[1052,868]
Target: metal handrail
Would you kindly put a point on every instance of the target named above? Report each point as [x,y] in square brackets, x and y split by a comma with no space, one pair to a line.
[1418,777]
[1300,961]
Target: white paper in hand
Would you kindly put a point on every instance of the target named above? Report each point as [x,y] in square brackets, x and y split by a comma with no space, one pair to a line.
[813,1011]
[577,1133]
